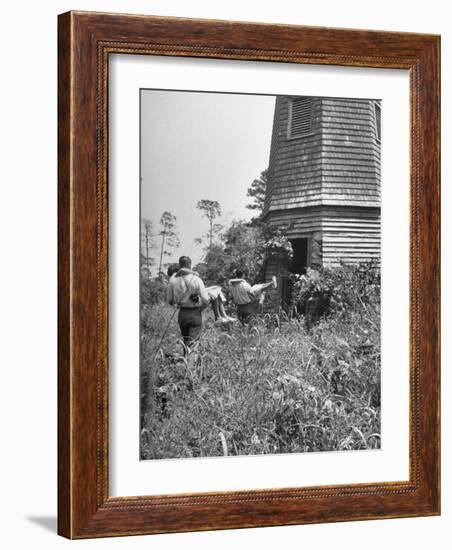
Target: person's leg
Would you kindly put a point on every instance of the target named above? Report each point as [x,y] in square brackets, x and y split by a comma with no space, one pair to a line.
[214,292]
[244,312]
[215,308]
[258,289]
[183,327]
[250,311]
[221,309]
[194,326]
[239,313]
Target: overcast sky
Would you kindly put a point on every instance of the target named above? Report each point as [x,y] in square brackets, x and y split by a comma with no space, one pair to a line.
[198,145]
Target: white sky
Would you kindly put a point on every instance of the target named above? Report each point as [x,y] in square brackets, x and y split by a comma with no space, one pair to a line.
[198,145]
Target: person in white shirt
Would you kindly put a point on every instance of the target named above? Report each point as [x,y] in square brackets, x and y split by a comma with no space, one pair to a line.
[187,291]
[245,296]
[216,296]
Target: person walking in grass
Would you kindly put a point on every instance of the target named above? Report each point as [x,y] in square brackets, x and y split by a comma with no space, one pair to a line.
[246,296]
[216,297]
[187,291]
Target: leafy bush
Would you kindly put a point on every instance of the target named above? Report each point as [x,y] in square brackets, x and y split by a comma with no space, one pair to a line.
[244,245]
[338,290]
[153,291]
[276,244]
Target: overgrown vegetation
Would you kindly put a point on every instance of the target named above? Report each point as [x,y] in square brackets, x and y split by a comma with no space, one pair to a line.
[307,381]
[342,291]
[303,378]
[244,245]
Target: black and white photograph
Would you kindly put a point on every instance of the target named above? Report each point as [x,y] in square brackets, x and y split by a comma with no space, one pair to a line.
[259,274]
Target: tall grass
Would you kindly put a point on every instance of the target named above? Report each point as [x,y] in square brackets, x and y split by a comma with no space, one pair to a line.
[274,386]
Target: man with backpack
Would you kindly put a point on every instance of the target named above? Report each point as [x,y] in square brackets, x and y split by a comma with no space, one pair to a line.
[187,291]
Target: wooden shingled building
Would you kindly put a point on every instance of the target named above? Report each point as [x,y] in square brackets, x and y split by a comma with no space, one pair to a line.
[324,180]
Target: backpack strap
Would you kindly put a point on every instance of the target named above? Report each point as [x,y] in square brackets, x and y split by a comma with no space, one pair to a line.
[187,290]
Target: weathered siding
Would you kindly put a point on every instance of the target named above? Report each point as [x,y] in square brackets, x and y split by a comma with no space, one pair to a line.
[326,185]
[348,234]
[351,235]
[337,163]
[295,177]
[350,152]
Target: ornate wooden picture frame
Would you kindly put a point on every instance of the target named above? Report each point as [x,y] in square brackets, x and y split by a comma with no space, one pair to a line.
[86,40]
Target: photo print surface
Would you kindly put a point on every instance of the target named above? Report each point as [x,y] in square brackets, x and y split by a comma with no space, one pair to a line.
[259,274]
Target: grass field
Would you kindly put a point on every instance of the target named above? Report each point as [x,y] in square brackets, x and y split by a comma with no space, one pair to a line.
[271,387]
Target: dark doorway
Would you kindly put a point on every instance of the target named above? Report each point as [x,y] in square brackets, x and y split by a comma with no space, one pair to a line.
[297,265]
[300,256]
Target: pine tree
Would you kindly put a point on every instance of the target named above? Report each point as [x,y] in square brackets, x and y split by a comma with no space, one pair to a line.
[211,210]
[169,234]
[257,192]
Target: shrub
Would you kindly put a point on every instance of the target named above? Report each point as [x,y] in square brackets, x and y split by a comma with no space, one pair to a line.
[279,385]
[153,291]
[244,245]
[337,290]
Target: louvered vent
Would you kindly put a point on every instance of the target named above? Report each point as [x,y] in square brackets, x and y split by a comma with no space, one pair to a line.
[378,120]
[300,123]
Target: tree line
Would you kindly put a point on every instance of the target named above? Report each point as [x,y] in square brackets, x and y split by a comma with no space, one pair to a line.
[244,244]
